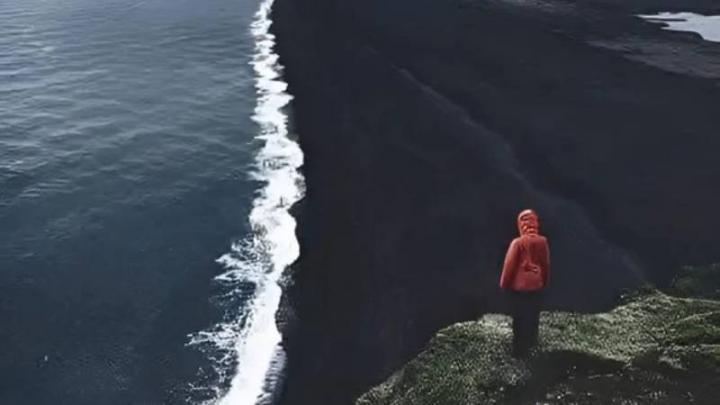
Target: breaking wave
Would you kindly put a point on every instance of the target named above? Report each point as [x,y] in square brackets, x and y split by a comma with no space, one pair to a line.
[245,347]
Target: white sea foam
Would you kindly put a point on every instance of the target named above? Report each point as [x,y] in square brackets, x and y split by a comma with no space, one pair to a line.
[249,341]
[707,26]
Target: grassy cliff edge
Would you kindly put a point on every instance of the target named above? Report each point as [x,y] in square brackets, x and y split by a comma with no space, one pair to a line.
[653,348]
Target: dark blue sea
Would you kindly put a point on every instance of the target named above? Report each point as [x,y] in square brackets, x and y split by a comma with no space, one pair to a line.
[127,142]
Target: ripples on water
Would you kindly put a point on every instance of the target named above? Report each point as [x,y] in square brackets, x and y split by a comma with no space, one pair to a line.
[125,137]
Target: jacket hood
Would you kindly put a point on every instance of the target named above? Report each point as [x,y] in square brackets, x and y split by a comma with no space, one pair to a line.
[528,223]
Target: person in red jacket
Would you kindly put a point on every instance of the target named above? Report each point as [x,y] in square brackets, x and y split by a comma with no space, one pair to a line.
[524,275]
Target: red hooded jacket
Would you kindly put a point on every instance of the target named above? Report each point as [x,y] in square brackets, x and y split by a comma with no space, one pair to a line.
[527,262]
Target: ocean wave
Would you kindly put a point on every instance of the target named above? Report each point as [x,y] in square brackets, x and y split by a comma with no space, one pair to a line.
[245,347]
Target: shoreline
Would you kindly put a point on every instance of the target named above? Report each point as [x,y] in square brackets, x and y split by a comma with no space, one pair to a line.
[248,340]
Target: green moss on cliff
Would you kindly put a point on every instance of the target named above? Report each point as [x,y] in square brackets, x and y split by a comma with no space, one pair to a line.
[655,348]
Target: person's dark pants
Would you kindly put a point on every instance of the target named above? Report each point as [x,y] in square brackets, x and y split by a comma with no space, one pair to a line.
[525,307]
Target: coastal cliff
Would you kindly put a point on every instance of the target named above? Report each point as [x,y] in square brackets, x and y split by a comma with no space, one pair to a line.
[426,125]
[655,348]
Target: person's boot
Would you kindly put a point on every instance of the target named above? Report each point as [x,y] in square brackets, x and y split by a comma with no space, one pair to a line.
[519,348]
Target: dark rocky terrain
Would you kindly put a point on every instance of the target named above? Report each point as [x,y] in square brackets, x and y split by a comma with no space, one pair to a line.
[427,124]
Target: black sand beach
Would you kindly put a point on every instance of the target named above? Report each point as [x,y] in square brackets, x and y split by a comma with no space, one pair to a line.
[427,125]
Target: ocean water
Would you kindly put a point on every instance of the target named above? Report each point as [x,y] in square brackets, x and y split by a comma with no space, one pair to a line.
[707,26]
[142,166]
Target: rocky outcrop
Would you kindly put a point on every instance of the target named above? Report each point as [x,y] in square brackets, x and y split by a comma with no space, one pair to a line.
[653,349]
[427,125]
